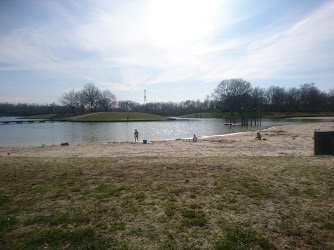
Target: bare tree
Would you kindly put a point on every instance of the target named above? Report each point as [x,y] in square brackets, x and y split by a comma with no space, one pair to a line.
[92,95]
[293,99]
[276,96]
[128,106]
[331,100]
[70,100]
[311,98]
[258,98]
[81,98]
[107,100]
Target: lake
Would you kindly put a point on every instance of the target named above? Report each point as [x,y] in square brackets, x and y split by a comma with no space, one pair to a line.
[35,134]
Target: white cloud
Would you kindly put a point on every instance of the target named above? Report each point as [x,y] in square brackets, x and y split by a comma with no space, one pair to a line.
[116,86]
[166,40]
[151,42]
[304,46]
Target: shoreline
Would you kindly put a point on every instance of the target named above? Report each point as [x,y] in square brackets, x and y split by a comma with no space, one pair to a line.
[293,140]
[204,137]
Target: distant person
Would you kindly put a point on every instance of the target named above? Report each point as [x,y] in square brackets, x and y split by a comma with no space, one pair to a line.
[136,134]
[258,136]
[195,139]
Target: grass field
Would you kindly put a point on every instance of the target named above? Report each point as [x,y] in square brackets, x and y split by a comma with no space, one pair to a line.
[102,116]
[45,116]
[204,115]
[114,116]
[174,203]
[51,116]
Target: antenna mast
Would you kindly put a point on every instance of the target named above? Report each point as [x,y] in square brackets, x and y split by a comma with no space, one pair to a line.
[144,96]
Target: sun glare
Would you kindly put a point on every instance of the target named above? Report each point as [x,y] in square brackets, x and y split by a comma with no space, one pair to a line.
[172,23]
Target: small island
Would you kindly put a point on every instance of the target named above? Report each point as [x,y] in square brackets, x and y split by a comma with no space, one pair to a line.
[103,117]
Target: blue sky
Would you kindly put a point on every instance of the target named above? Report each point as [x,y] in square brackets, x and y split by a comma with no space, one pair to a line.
[176,49]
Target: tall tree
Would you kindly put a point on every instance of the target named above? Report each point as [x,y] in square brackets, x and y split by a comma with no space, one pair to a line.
[81,98]
[234,93]
[331,100]
[92,95]
[70,100]
[311,98]
[276,98]
[293,99]
[258,98]
[107,100]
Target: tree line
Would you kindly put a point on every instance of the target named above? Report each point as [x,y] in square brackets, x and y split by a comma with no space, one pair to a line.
[232,95]
[237,94]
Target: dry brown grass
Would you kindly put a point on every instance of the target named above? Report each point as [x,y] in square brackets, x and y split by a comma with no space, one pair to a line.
[158,202]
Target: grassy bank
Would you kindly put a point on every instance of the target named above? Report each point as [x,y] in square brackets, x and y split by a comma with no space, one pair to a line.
[112,116]
[152,202]
[102,116]
[263,114]
[51,116]
[116,116]
[204,115]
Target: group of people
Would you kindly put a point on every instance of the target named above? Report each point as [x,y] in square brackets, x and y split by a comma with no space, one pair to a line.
[136,135]
[195,138]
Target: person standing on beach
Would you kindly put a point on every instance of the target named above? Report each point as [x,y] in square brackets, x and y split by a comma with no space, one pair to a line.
[136,134]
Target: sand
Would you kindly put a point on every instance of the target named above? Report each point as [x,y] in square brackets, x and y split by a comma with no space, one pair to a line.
[294,140]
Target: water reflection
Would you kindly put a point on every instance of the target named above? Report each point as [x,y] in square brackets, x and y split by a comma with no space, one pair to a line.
[79,133]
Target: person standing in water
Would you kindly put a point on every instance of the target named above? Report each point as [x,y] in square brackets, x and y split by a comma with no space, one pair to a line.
[136,134]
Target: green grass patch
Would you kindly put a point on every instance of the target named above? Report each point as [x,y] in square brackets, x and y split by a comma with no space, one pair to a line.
[170,209]
[4,199]
[51,116]
[117,116]
[56,237]
[193,217]
[238,238]
[7,222]
[45,116]
[204,115]
[329,225]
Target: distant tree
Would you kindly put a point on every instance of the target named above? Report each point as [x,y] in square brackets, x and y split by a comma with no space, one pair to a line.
[70,100]
[122,106]
[92,95]
[128,106]
[81,99]
[234,93]
[293,99]
[258,98]
[276,98]
[107,100]
[311,98]
[208,104]
[330,100]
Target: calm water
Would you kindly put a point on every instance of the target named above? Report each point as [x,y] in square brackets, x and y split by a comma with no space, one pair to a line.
[82,133]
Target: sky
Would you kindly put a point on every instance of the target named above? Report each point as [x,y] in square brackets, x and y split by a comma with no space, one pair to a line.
[176,50]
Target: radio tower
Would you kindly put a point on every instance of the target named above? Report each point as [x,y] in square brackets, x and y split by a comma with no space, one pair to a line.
[144,96]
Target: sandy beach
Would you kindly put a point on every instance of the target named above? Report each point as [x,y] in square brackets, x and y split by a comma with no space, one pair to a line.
[293,140]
